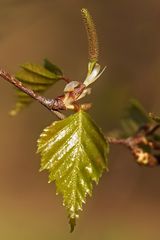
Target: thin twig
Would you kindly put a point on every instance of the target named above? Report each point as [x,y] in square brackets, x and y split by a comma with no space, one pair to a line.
[122,141]
[153,130]
[53,105]
[132,143]
[63,102]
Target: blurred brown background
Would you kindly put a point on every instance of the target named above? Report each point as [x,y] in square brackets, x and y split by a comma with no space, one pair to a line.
[125,205]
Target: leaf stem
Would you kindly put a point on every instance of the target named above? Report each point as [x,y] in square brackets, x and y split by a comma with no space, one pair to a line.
[67,80]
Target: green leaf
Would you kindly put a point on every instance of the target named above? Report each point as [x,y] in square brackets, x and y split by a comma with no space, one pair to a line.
[135,117]
[35,77]
[52,67]
[137,112]
[154,117]
[39,70]
[75,152]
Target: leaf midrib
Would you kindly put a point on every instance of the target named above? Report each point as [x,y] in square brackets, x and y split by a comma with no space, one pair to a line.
[75,174]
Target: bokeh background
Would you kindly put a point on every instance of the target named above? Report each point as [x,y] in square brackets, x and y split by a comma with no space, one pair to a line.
[125,205]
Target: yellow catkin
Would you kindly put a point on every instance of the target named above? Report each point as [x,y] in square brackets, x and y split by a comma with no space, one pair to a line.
[93,49]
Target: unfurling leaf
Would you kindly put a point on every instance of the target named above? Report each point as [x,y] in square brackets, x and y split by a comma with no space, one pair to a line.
[155,117]
[135,117]
[37,78]
[52,67]
[75,152]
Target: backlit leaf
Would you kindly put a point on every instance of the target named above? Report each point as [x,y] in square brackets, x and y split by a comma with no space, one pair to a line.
[155,117]
[75,152]
[37,78]
[135,117]
[39,70]
[52,67]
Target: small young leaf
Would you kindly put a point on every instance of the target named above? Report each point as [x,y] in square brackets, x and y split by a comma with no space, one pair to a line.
[75,152]
[52,67]
[35,77]
[135,117]
[39,70]
[137,112]
[155,117]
